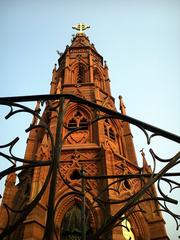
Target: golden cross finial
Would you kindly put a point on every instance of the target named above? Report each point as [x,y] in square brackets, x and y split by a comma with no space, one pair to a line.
[81,27]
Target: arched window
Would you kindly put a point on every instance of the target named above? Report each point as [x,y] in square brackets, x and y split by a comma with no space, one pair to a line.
[108,130]
[81,73]
[71,228]
[71,224]
[81,135]
[78,120]
[97,79]
[105,130]
[111,134]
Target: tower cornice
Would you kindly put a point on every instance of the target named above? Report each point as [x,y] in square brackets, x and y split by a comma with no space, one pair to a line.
[80,49]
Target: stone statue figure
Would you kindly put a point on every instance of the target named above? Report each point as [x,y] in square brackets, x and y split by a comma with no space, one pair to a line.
[71,228]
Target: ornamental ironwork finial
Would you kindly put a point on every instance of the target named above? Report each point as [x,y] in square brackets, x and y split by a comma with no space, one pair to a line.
[81,27]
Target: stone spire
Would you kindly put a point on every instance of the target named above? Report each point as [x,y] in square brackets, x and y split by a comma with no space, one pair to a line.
[122,105]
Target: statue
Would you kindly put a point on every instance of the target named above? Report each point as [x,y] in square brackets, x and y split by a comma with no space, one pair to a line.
[71,228]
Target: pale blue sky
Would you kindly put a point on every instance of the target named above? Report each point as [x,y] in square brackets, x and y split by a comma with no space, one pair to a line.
[138,38]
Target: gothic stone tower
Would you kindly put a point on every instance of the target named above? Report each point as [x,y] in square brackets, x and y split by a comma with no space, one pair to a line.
[102,148]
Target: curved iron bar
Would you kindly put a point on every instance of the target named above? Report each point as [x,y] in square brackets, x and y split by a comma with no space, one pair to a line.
[156,199]
[24,109]
[27,130]
[25,212]
[76,193]
[49,228]
[152,153]
[15,169]
[66,182]
[9,228]
[63,141]
[9,144]
[162,194]
[112,114]
[136,197]
[77,99]
[98,205]
[59,126]
[103,202]
[16,159]
[107,188]
[170,182]
[8,158]
[117,117]
[133,176]
[164,199]
[128,214]
[72,131]
[142,181]
[13,142]
[158,158]
[109,201]
[95,204]
[165,209]
[154,162]
[57,204]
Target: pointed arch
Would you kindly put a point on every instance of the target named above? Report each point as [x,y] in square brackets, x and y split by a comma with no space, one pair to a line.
[71,223]
[113,133]
[79,73]
[69,209]
[98,78]
[118,126]
[109,129]
[78,117]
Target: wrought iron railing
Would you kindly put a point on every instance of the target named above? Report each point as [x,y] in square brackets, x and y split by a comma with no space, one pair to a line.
[56,104]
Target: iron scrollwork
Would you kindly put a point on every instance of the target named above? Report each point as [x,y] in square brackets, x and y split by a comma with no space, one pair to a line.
[129,205]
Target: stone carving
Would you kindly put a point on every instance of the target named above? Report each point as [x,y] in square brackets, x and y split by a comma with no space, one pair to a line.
[78,137]
[82,154]
[91,169]
[78,120]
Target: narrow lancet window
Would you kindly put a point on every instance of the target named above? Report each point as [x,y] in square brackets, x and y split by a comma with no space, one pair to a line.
[81,73]
[108,130]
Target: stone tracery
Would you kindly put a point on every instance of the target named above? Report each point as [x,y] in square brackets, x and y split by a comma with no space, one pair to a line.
[78,120]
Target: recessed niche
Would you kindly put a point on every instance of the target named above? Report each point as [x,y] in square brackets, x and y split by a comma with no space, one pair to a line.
[75,175]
